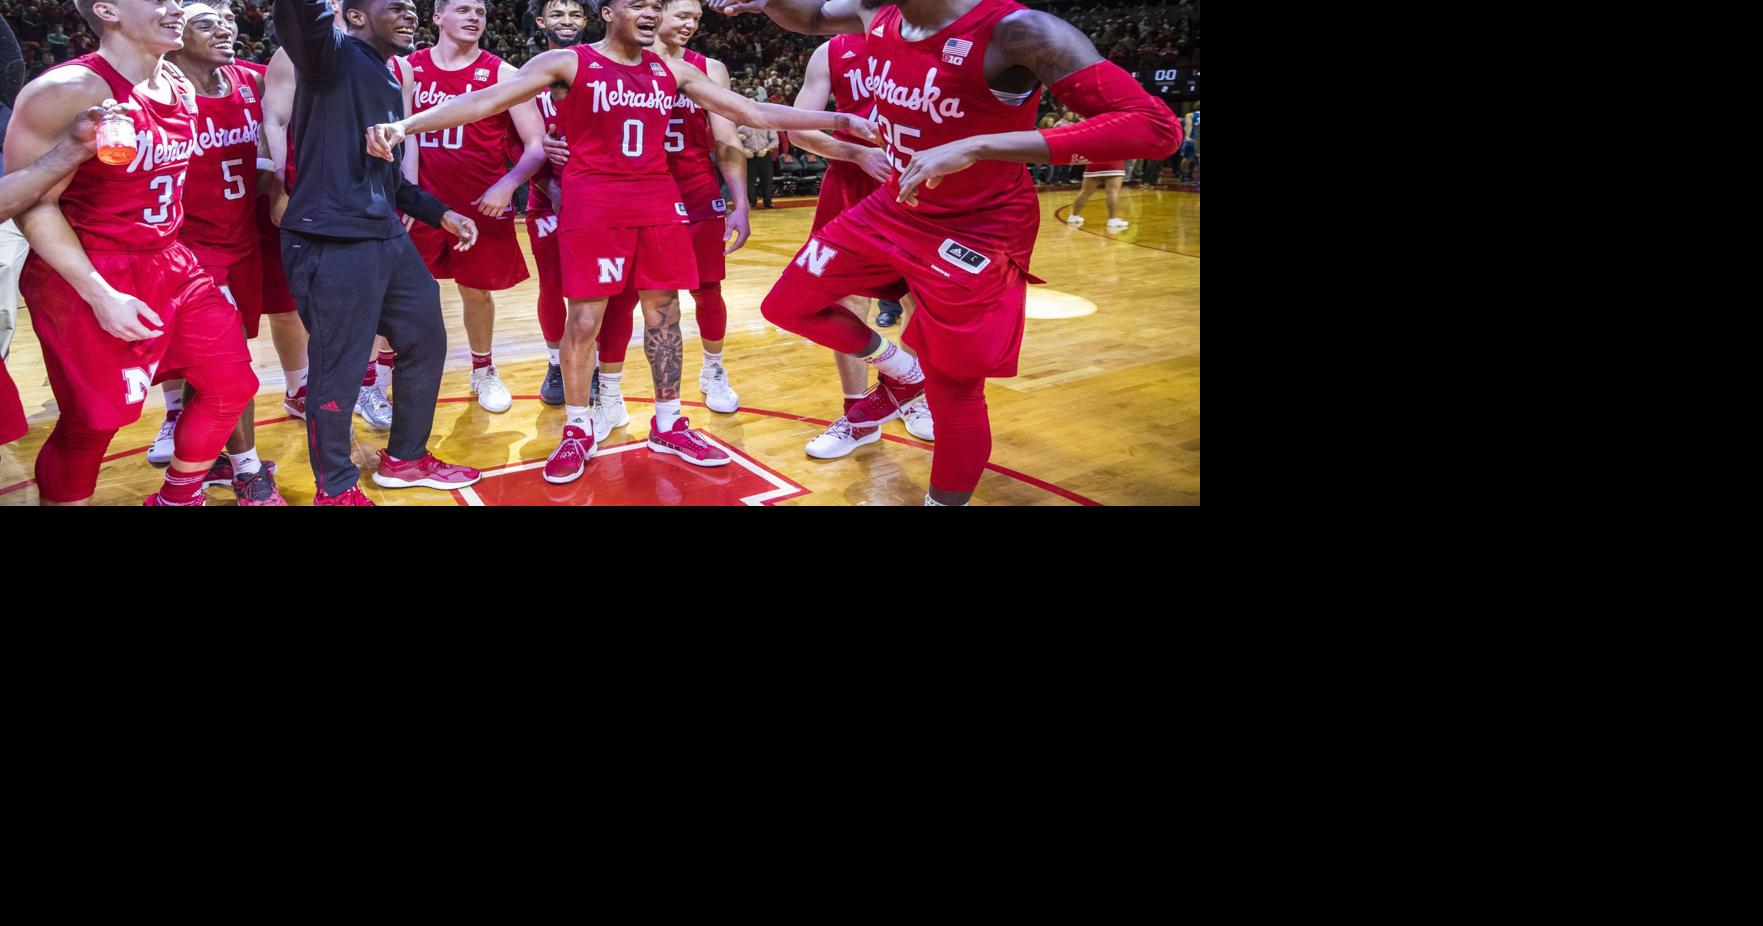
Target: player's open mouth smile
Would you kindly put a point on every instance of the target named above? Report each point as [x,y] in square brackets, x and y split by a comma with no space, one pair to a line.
[409,34]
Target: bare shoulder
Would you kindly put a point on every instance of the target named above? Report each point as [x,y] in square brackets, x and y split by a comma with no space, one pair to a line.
[60,94]
[1044,44]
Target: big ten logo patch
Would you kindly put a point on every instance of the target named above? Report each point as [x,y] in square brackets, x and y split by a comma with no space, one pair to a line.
[814,257]
[611,270]
[136,380]
[481,74]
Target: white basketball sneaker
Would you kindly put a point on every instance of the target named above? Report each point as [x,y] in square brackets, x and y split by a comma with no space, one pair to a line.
[491,394]
[718,395]
[916,414]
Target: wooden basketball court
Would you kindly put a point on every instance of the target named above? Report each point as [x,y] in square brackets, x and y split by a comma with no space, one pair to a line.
[1105,410]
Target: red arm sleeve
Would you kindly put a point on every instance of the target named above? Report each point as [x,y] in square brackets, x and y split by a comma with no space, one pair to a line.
[1122,122]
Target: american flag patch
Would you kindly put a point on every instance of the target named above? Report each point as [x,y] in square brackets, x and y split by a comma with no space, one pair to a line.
[955,51]
[658,69]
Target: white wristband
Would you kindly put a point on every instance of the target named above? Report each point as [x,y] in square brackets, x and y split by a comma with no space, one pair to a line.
[265,164]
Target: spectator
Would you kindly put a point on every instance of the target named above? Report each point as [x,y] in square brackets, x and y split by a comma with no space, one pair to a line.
[760,145]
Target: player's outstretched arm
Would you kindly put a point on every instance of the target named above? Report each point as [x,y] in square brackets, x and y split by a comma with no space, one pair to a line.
[1124,122]
[743,111]
[731,163]
[816,90]
[552,67]
[530,126]
[809,17]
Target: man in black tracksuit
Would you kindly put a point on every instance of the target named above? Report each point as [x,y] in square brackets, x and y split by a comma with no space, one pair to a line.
[350,264]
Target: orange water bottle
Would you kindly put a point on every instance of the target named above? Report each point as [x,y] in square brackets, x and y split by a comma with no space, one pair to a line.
[116,137]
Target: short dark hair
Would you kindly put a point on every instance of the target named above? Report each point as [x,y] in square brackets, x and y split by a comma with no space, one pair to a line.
[535,9]
[361,5]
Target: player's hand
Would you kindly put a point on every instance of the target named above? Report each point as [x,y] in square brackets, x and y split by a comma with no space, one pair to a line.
[277,207]
[862,128]
[84,131]
[875,163]
[460,227]
[731,7]
[931,166]
[554,189]
[736,222]
[556,149]
[126,317]
[382,138]
[496,200]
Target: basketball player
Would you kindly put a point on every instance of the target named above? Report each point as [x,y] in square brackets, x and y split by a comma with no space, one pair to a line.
[117,303]
[842,67]
[463,167]
[617,114]
[220,217]
[956,86]
[696,171]
[562,22]
[21,188]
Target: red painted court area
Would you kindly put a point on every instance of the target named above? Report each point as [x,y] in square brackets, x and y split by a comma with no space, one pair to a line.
[632,474]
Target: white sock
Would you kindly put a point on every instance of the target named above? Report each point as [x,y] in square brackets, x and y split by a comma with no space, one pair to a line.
[577,416]
[666,413]
[245,462]
[891,361]
[610,384]
[712,361]
[174,399]
[556,358]
[382,375]
[296,380]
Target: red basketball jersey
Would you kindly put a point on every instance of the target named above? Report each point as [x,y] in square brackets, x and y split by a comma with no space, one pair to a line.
[136,206]
[221,190]
[849,63]
[689,156]
[615,117]
[538,197]
[932,92]
[457,165]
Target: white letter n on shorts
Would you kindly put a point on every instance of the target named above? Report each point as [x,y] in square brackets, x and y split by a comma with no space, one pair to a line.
[611,271]
[814,257]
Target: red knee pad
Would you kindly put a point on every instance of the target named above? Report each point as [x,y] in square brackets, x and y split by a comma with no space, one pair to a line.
[616,326]
[223,392]
[964,430]
[67,466]
[712,312]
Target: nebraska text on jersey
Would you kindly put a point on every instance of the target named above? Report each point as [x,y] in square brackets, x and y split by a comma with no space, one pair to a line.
[221,138]
[605,100]
[923,99]
[149,153]
[432,95]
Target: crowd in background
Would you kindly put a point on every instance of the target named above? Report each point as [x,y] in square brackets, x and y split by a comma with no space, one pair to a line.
[765,62]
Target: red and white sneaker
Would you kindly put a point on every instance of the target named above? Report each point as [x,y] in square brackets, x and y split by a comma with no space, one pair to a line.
[882,402]
[840,440]
[570,459]
[154,501]
[221,473]
[295,404]
[685,443]
[428,473]
[351,498]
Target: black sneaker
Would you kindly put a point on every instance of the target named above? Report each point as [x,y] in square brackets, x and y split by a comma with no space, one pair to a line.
[888,315]
[551,392]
